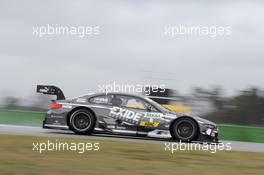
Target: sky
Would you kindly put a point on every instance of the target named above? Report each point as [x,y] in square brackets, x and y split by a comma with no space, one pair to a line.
[132,47]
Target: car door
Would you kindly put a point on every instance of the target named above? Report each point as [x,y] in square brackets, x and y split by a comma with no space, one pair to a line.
[135,113]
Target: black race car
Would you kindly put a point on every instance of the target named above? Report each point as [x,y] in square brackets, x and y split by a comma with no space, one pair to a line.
[126,114]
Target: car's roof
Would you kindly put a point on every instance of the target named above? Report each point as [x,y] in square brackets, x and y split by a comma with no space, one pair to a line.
[113,93]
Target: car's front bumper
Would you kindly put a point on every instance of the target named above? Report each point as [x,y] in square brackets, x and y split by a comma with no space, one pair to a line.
[208,132]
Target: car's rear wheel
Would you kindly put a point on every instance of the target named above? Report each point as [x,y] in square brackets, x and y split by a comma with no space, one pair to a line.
[184,129]
[82,121]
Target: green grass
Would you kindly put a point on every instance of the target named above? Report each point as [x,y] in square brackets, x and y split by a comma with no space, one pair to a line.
[19,117]
[17,157]
[241,133]
[227,132]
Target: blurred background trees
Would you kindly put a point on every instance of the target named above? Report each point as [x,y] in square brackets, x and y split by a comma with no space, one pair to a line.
[11,102]
[245,108]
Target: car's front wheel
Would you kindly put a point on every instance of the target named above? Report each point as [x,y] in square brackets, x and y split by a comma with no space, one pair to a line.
[184,129]
[82,121]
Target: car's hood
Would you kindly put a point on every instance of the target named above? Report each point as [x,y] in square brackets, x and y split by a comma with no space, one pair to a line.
[203,120]
[197,118]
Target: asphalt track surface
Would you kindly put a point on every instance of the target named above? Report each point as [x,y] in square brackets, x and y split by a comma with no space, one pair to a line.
[38,131]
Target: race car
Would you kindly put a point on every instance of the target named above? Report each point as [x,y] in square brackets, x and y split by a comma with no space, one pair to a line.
[123,114]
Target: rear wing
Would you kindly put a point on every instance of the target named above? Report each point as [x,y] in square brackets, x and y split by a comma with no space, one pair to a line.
[51,90]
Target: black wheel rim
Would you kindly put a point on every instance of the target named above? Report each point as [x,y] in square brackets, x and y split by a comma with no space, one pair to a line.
[185,129]
[81,121]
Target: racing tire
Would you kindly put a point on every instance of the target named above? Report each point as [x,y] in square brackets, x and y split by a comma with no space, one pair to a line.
[82,122]
[184,129]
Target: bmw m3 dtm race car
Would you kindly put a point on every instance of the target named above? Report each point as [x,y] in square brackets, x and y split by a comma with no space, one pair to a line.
[123,114]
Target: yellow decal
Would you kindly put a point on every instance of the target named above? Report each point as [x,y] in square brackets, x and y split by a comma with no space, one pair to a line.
[152,124]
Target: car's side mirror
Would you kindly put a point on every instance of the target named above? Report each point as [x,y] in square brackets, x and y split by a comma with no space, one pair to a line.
[149,108]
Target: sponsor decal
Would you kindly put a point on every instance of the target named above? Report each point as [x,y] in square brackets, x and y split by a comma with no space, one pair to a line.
[111,126]
[125,115]
[45,90]
[121,127]
[115,127]
[81,100]
[151,124]
[100,100]
[56,116]
[66,106]
[153,115]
